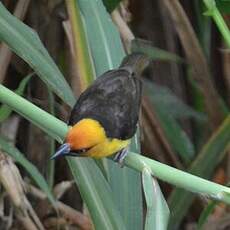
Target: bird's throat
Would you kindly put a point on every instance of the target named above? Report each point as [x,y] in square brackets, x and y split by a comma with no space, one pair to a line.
[107,148]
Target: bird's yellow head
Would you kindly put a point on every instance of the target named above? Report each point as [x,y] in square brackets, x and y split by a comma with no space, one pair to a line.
[84,135]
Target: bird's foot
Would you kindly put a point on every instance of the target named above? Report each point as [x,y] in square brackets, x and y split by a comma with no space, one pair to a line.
[120,156]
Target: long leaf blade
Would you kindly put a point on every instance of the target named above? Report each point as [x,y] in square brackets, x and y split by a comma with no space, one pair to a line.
[96,190]
[204,164]
[175,134]
[26,43]
[167,100]
[157,215]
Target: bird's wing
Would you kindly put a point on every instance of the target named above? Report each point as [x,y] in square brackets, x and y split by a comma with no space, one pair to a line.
[113,100]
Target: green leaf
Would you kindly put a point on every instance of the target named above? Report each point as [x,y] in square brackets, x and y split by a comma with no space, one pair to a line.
[213,11]
[157,214]
[167,100]
[26,43]
[29,167]
[176,136]
[174,133]
[223,6]
[204,164]
[203,27]
[104,40]
[96,193]
[206,213]
[111,4]
[107,52]
[200,128]
[5,110]
[154,53]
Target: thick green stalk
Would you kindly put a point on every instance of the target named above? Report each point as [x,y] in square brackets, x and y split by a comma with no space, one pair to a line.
[217,17]
[58,129]
[179,178]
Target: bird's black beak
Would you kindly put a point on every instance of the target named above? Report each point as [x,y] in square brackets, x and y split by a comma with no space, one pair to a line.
[62,151]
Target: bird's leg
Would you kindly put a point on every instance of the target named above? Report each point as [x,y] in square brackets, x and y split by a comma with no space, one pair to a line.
[120,156]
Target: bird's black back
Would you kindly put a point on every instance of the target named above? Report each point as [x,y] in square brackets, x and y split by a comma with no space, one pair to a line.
[113,100]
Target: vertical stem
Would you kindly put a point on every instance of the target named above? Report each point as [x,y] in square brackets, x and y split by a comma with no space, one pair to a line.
[217,17]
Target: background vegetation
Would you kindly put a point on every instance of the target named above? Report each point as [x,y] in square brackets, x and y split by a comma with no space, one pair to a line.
[184,120]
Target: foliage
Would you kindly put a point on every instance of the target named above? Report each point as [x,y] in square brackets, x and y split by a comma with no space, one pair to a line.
[113,195]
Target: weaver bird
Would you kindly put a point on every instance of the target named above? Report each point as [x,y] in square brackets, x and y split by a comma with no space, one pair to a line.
[104,118]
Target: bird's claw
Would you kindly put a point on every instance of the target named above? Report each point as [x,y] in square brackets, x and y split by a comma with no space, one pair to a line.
[120,156]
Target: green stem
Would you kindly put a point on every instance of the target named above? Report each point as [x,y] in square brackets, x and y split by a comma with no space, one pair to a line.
[217,17]
[178,178]
[58,130]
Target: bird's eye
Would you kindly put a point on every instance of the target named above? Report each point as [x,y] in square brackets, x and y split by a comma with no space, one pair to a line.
[82,150]
[78,152]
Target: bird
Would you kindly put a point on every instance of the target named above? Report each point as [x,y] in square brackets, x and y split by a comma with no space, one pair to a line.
[105,116]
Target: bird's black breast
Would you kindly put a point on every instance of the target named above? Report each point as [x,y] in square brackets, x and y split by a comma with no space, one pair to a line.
[113,100]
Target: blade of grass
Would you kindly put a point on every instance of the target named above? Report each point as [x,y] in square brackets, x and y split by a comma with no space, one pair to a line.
[5,110]
[81,48]
[107,53]
[174,133]
[26,43]
[96,189]
[157,214]
[203,27]
[111,4]
[153,129]
[213,11]
[20,11]
[223,6]
[166,99]
[176,136]
[204,164]
[29,167]
[201,129]
[103,37]
[206,213]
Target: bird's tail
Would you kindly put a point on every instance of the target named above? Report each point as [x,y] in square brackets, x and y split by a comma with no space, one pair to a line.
[137,62]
